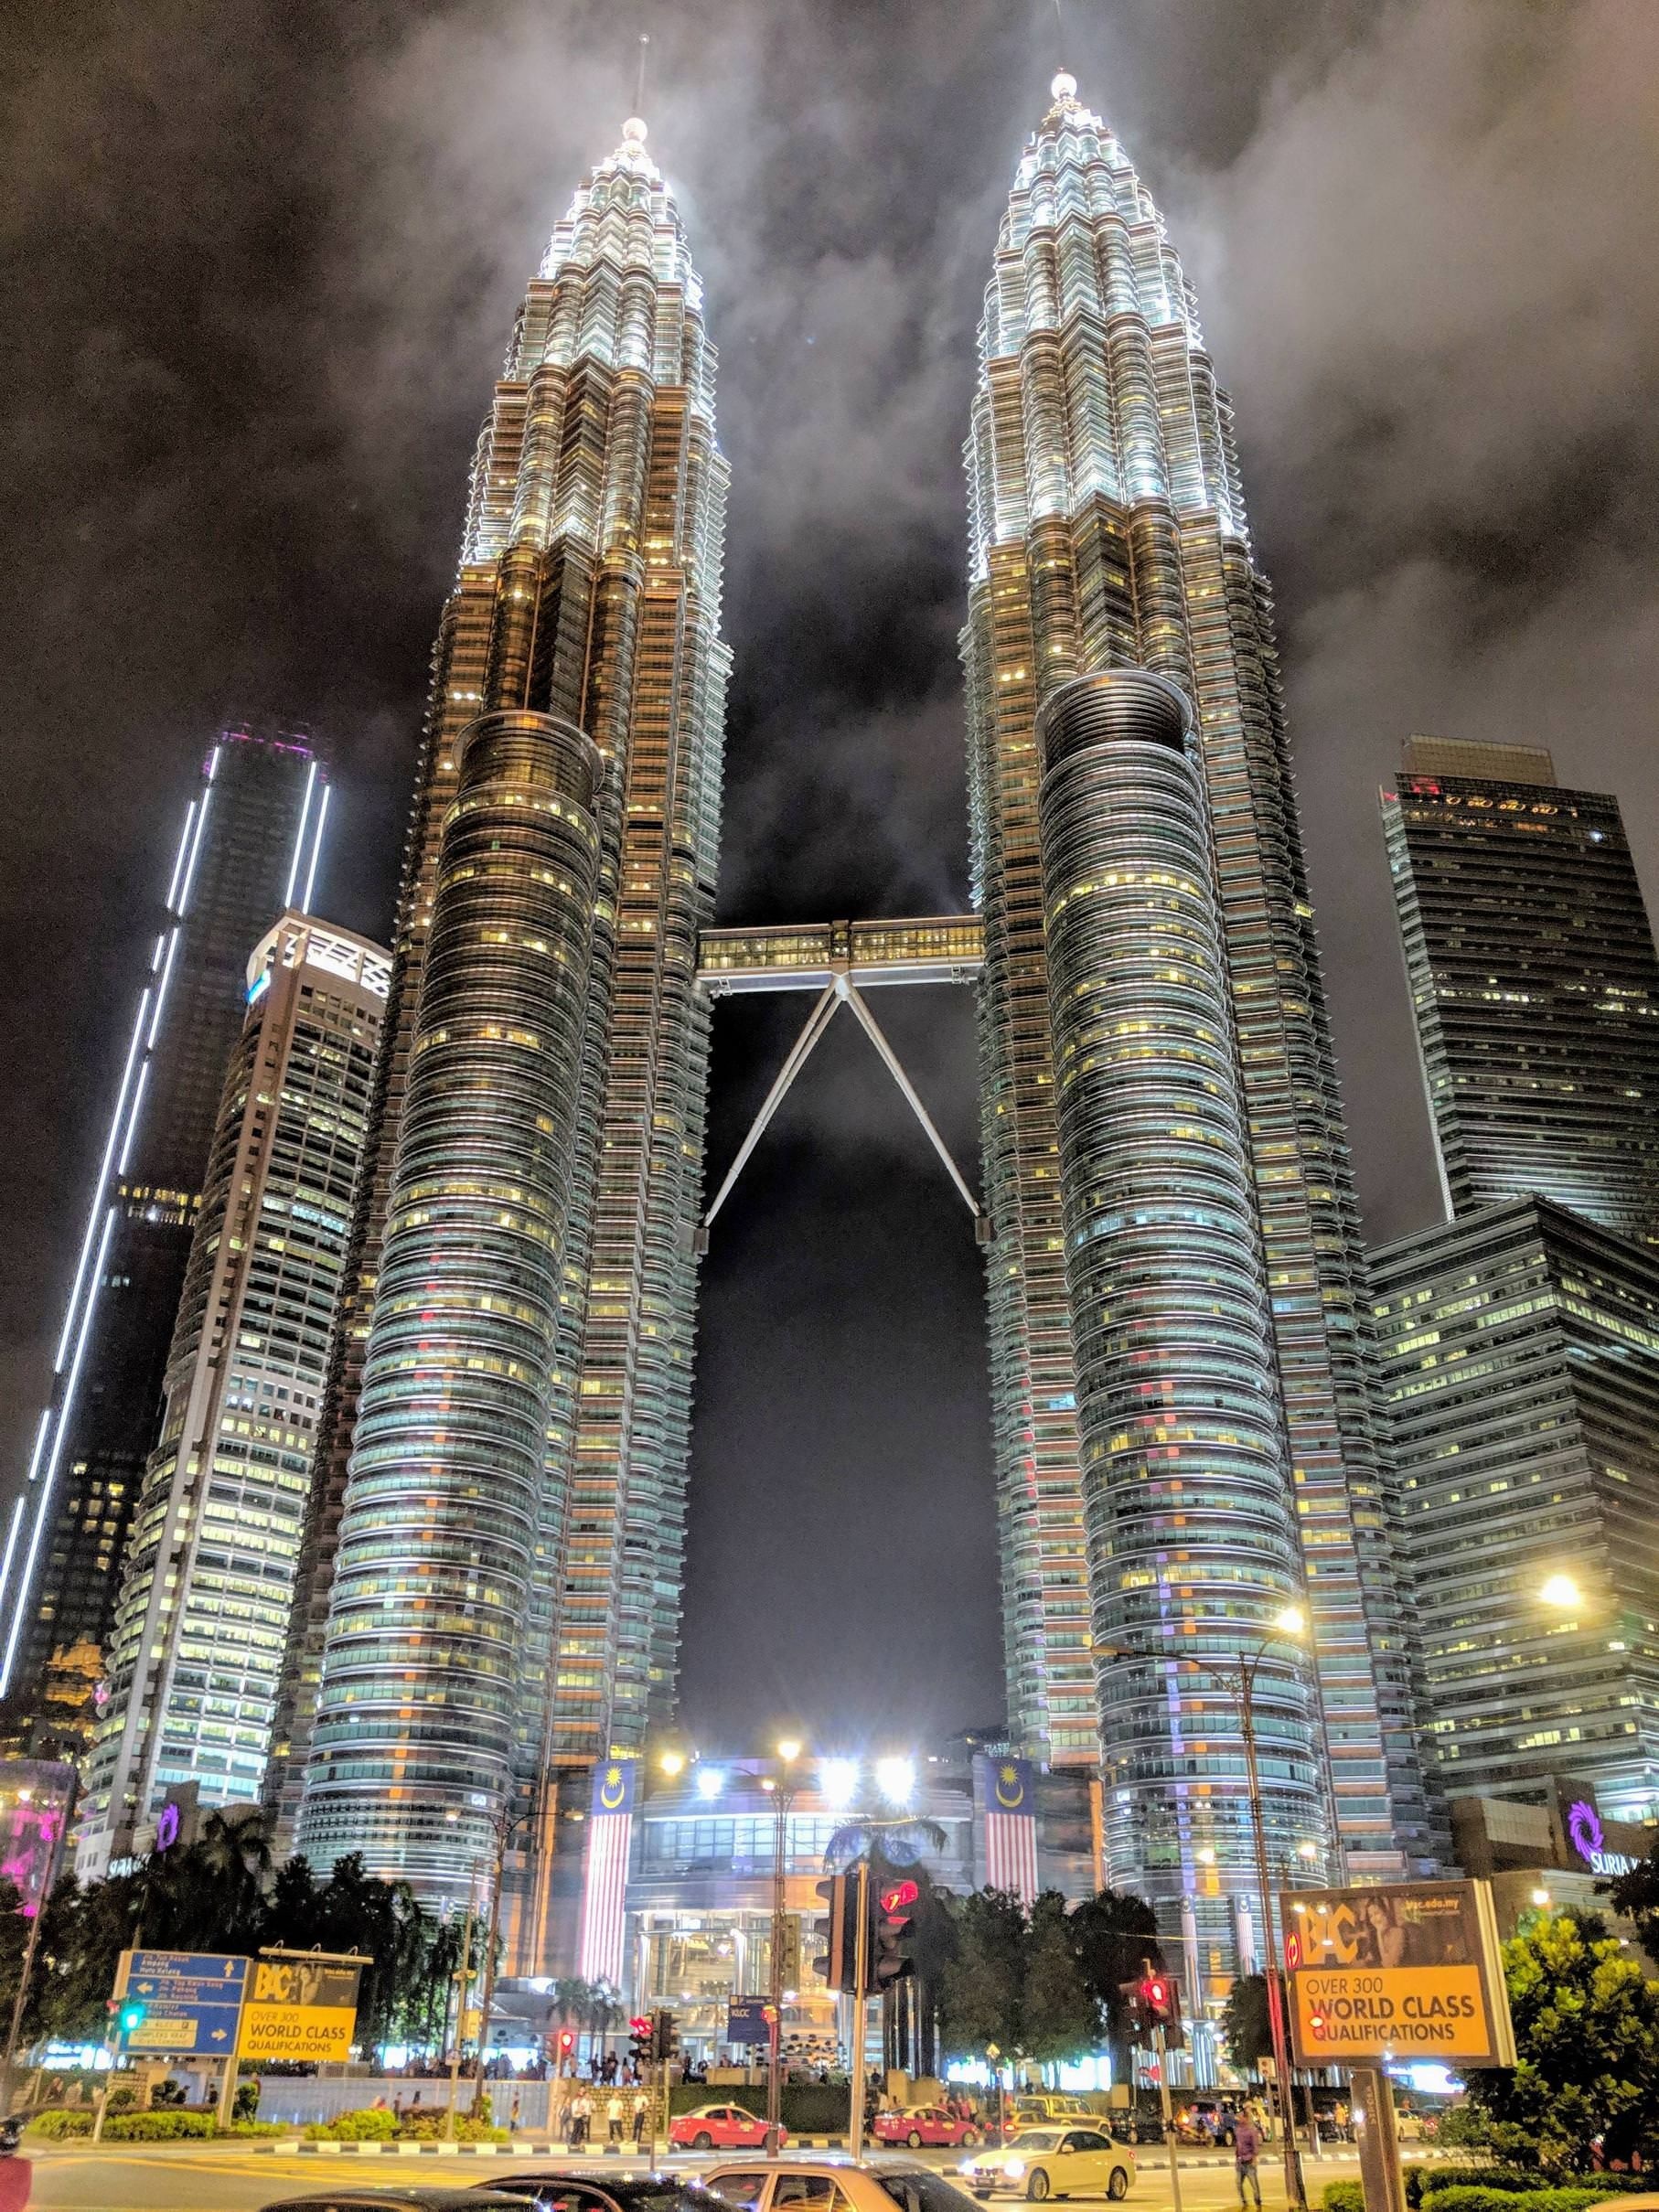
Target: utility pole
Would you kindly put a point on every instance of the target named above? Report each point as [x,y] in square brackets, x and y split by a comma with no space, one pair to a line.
[1162,2048]
[463,1976]
[1294,2190]
[861,1984]
[783,1789]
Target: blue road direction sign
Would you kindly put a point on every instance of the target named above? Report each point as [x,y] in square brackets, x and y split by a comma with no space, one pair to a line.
[180,2001]
[748,2020]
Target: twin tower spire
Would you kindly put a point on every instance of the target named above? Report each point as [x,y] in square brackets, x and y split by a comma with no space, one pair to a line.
[489,1595]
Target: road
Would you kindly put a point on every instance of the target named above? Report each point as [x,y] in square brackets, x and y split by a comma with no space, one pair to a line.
[170,2177]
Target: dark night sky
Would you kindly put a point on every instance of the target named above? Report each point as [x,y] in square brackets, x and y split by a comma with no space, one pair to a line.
[262,258]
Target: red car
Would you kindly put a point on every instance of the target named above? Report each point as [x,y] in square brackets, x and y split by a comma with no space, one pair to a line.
[929,2124]
[719,2127]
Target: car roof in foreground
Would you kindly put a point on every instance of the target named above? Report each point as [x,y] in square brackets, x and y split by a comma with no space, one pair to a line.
[365,2196]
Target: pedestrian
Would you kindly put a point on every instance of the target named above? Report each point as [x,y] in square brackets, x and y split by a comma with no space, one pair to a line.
[642,2106]
[512,2117]
[613,2113]
[584,2119]
[1247,2150]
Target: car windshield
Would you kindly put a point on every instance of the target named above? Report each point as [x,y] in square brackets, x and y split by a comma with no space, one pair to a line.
[1040,2139]
[917,2190]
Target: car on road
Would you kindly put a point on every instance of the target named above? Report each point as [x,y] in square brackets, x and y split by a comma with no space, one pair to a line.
[1054,2162]
[831,2184]
[543,2188]
[928,2124]
[364,2197]
[719,2127]
[1045,2113]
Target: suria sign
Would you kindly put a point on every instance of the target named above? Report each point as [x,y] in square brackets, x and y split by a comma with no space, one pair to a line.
[1584,1831]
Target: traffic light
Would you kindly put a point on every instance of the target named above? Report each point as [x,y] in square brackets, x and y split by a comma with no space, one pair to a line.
[640,2040]
[1137,2020]
[893,1924]
[130,2020]
[564,2047]
[1160,1998]
[837,1962]
[665,2037]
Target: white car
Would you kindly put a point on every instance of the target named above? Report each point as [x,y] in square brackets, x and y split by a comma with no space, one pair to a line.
[1054,2162]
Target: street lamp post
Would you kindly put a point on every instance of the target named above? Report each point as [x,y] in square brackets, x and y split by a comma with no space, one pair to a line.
[1239,1681]
[783,1788]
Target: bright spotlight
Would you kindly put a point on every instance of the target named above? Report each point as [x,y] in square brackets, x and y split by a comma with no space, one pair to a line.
[895,1779]
[673,1763]
[709,1780]
[1563,1591]
[788,1749]
[838,1781]
[1291,1621]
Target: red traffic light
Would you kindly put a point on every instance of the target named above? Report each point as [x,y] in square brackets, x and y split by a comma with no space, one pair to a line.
[899,1896]
[641,2026]
[1155,1992]
[567,2038]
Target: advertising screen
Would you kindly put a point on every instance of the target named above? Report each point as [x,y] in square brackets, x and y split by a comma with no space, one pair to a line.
[1408,1971]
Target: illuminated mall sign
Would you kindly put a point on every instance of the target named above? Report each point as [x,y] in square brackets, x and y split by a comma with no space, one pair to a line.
[1585,1833]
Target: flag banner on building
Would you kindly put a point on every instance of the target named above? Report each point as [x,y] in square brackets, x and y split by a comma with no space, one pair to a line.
[610,1832]
[1007,1790]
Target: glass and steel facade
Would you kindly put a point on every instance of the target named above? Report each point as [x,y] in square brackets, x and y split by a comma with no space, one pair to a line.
[249,846]
[199,1631]
[1534,984]
[448,1503]
[1520,1351]
[1187,1501]
[1107,531]
[588,592]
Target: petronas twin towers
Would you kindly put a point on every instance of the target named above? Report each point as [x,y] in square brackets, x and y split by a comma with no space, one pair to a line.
[491,1588]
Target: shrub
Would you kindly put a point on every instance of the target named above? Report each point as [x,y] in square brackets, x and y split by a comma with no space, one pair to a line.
[366,2126]
[52,2126]
[1344,2196]
[171,2126]
[1459,2198]
[122,2100]
[255,2127]
[246,2106]
[429,2126]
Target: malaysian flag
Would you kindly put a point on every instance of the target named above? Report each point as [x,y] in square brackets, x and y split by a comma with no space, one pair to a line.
[1007,1789]
[610,1830]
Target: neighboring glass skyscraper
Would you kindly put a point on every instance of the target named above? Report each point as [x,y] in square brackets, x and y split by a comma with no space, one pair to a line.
[586,608]
[200,1626]
[1520,1349]
[1534,982]
[1182,1419]
[250,846]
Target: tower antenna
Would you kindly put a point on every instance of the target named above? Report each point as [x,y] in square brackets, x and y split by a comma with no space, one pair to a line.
[1060,28]
[645,40]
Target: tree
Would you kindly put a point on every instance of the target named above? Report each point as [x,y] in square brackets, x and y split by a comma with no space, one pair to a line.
[983,1984]
[1636,1894]
[1115,1937]
[1059,2018]
[1587,2034]
[1245,2026]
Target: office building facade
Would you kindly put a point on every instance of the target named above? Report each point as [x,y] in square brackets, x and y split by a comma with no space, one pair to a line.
[1534,985]
[587,607]
[1161,1502]
[250,846]
[200,1626]
[1520,1363]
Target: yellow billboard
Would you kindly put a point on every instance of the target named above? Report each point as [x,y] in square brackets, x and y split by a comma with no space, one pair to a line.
[1407,1971]
[299,2008]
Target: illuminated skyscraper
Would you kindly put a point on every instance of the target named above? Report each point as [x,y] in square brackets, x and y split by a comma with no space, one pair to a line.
[1520,1350]
[579,693]
[1534,984]
[1183,1425]
[252,839]
[198,1632]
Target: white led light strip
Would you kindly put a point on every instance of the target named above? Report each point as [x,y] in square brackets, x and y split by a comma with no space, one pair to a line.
[88,1270]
